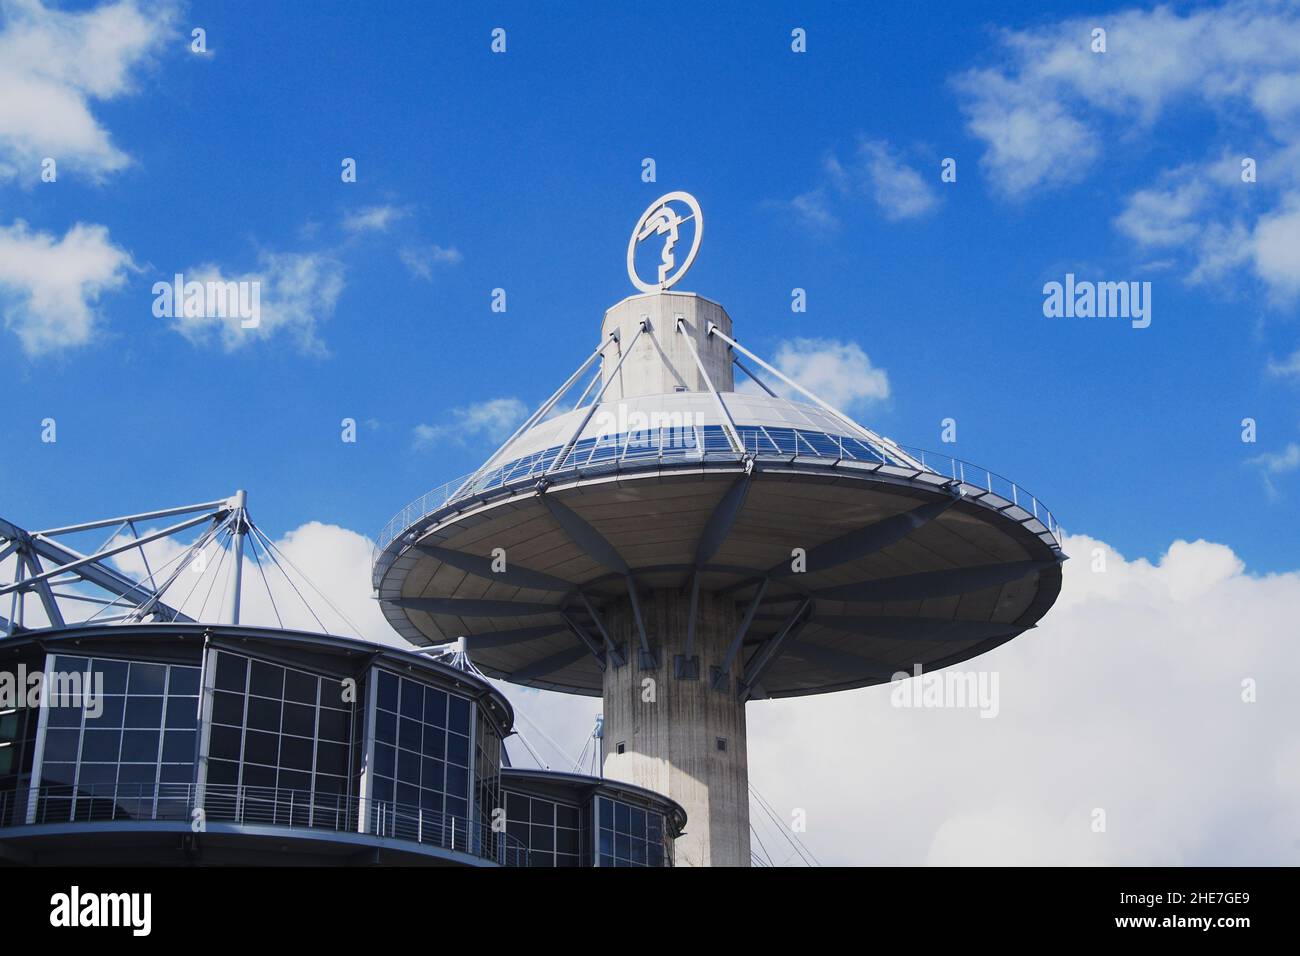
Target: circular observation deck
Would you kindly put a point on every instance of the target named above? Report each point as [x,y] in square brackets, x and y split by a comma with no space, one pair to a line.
[857,558]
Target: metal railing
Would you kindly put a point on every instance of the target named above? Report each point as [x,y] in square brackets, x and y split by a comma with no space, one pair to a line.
[640,450]
[258,806]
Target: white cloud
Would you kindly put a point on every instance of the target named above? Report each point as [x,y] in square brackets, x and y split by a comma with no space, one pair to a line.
[493,419]
[53,64]
[1289,367]
[1044,113]
[297,292]
[1272,464]
[837,372]
[373,218]
[421,260]
[1127,698]
[898,189]
[876,171]
[49,287]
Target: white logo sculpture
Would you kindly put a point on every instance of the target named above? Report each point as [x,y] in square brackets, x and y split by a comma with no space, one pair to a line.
[662,219]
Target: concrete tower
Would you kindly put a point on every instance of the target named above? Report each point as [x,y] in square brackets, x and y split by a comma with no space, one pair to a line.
[680,548]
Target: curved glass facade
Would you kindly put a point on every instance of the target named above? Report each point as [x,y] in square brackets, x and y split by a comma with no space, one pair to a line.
[129,753]
[217,734]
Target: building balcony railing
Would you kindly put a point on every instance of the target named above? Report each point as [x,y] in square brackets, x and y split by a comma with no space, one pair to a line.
[258,806]
[655,448]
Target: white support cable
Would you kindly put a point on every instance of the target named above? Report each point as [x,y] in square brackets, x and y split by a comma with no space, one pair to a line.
[728,423]
[532,419]
[794,841]
[346,620]
[146,606]
[253,545]
[872,436]
[285,574]
[108,552]
[595,402]
[753,377]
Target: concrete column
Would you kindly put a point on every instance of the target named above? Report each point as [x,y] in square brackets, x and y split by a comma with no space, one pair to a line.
[661,363]
[670,728]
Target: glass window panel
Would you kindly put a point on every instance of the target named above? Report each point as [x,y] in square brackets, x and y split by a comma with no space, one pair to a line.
[520,831]
[566,816]
[144,711]
[295,780]
[299,720]
[606,810]
[638,851]
[457,807]
[56,774]
[261,747]
[622,817]
[543,812]
[542,837]
[225,743]
[383,789]
[331,694]
[458,749]
[101,775]
[412,700]
[638,821]
[387,691]
[335,725]
[255,776]
[654,854]
[435,743]
[227,708]
[232,672]
[408,734]
[114,675]
[184,682]
[263,714]
[178,745]
[566,841]
[457,782]
[135,774]
[295,753]
[385,760]
[147,679]
[111,711]
[223,772]
[622,846]
[386,727]
[458,715]
[267,680]
[182,713]
[61,744]
[328,785]
[408,767]
[431,774]
[65,716]
[140,746]
[177,773]
[431,800]
[331,758]
[435,707]
[300,687]
[101,745]
[606,860]
[606,841]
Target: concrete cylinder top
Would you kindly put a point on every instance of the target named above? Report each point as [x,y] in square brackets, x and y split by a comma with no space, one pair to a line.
[661,361]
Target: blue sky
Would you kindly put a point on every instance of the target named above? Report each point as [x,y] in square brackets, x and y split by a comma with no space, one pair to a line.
[523,171]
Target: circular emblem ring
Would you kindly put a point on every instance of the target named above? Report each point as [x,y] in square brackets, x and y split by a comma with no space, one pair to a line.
[662,219]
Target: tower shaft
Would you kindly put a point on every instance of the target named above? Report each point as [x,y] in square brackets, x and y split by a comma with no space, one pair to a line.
[683,737]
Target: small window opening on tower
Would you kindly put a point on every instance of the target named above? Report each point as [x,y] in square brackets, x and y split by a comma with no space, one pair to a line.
[722,744]
[622,747]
